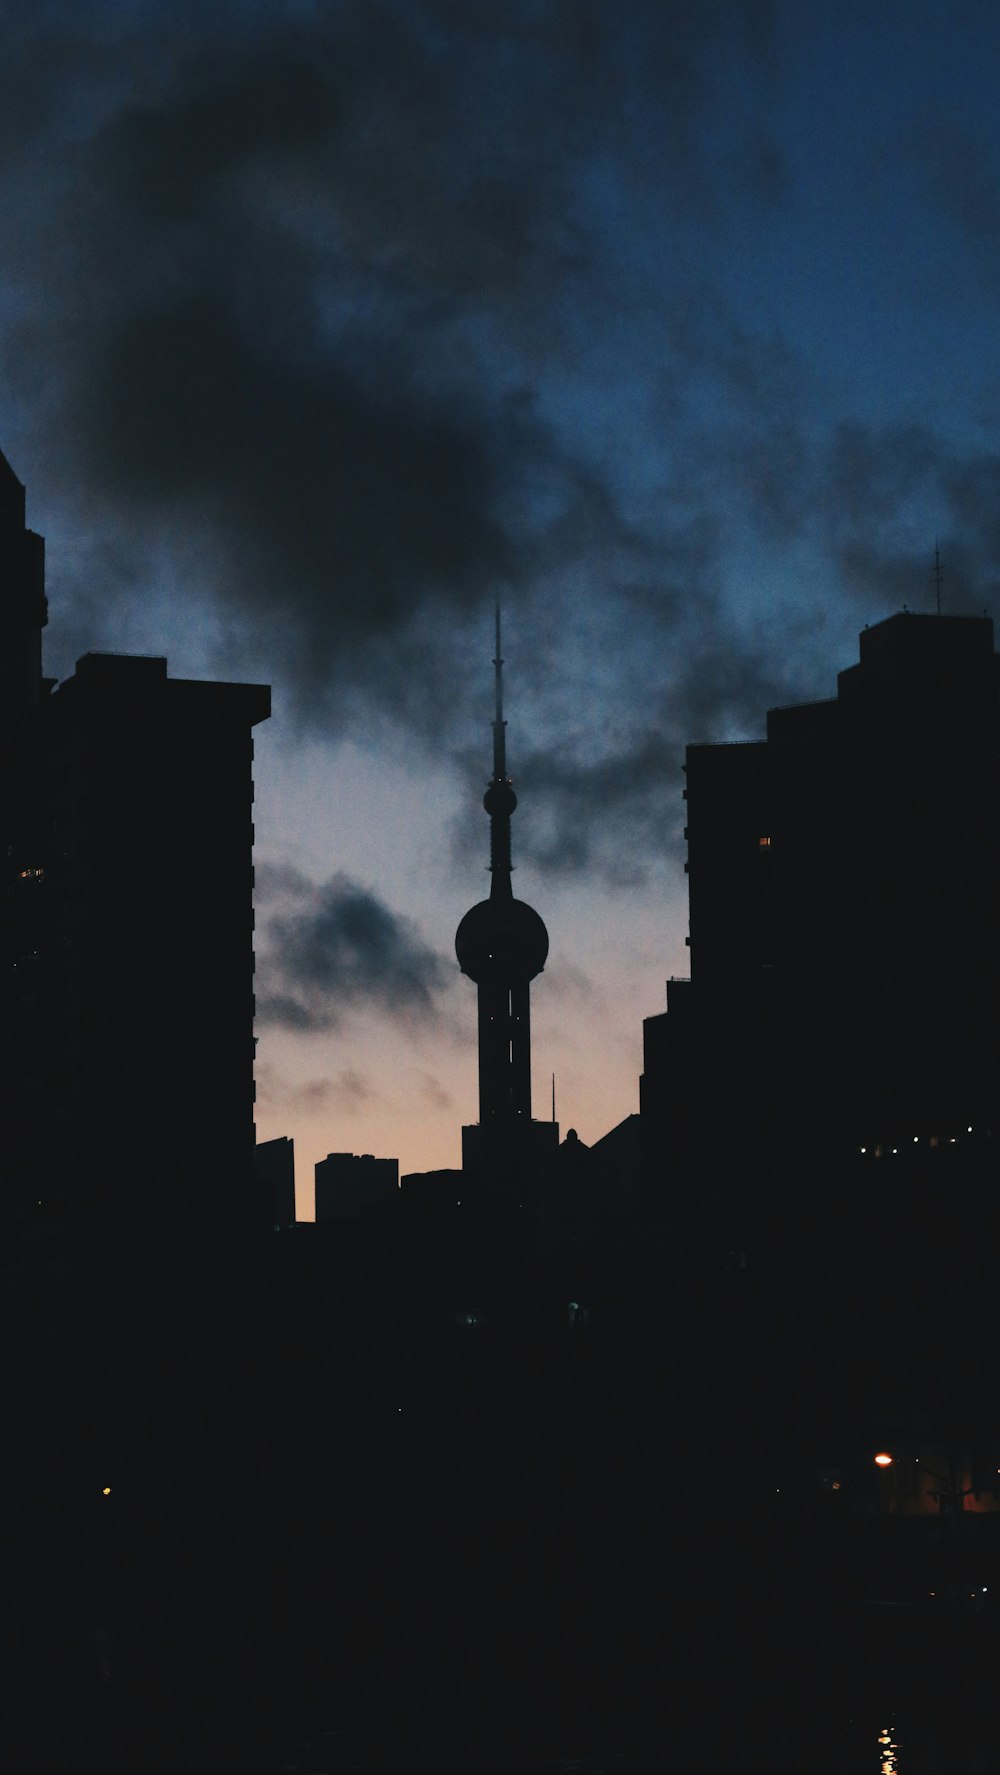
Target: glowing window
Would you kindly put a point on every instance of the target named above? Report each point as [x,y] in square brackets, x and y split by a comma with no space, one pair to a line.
[764,844]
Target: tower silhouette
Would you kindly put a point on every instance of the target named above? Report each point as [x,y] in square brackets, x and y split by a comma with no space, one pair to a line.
[502,944]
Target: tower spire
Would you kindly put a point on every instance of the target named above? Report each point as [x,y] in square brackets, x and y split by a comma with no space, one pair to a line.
[499,800]
[499,724]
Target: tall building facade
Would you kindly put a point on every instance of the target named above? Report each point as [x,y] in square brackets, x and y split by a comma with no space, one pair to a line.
[844,883]
[127,925]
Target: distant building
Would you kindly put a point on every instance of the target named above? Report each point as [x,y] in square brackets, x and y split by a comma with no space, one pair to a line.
[347,1183]
[844,879]
[126,925]
[274,1165]
[444,1185]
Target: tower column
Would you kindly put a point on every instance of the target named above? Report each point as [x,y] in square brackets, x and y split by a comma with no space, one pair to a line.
[520,1050]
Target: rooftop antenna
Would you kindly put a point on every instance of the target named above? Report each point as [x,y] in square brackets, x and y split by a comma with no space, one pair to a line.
[937,575]
[553,1096]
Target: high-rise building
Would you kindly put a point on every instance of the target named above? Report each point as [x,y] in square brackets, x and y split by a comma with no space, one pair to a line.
[844,881]
[502,945]
[126,941]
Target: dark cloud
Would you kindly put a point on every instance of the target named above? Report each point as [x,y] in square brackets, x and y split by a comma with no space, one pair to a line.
[433,1092]
[609,803]
[334,317]
[334,949]
[959,175]
[891,496]
[291,261]
[346,1092]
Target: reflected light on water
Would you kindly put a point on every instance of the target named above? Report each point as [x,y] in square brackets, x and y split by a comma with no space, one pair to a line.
[888,1751]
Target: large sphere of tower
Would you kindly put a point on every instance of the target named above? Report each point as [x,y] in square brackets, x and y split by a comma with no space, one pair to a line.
[500,798]
[502,940]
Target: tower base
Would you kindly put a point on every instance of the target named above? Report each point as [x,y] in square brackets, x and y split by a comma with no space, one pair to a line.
[511,1160]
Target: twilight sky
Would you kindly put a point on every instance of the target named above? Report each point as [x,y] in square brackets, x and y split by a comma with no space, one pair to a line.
[673,325]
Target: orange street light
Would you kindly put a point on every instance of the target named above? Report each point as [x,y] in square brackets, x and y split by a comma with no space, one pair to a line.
[883,1460]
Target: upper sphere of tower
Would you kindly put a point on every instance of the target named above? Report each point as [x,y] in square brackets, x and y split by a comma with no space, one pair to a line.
[500,797]
[502,940]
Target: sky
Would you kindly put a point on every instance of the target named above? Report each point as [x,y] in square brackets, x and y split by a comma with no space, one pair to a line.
[673,327]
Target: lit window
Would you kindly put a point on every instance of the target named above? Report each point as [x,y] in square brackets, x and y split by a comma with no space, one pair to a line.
[764,844]
[32,874]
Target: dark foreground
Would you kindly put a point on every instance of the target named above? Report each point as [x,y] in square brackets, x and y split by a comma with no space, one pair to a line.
[236,1642]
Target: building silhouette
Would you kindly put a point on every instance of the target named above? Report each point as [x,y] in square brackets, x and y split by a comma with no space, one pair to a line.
[844,881]
[346,1183]
[502,945]
[274,1166]
[127,926]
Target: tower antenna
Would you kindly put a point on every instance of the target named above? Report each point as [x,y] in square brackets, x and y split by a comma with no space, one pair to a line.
[937,575]
[499,724]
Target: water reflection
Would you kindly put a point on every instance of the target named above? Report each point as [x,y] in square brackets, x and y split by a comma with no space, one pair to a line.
[929,1745]
[888,1750]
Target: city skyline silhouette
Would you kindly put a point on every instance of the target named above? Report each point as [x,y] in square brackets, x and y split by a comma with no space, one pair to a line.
[634,330]
[661,1434]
